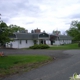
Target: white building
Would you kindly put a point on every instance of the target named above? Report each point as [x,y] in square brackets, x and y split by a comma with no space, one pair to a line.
[60,39]
[25,40]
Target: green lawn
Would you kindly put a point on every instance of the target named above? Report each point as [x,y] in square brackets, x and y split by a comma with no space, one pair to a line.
[66,46]
[20,63]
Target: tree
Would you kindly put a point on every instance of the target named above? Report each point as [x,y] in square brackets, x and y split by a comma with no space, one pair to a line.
[4,33]
[74,30]
[15,28]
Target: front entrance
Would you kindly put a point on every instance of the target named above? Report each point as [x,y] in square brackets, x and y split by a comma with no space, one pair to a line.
[42,41]
[52,42]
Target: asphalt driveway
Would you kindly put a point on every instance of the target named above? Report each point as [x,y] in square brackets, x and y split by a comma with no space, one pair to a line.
[66,63]
[54,53]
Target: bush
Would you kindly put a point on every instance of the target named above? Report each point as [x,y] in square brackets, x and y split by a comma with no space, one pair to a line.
[40,46]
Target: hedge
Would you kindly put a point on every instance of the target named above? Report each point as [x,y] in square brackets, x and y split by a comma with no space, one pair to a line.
[40,46]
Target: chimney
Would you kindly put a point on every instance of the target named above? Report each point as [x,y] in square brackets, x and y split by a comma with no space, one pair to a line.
[26,31]
[32,31]
[37,30]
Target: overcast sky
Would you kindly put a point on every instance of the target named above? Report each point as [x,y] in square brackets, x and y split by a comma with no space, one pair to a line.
[46,15]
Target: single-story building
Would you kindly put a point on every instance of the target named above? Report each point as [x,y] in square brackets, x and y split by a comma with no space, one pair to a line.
[25,40]
[60,39]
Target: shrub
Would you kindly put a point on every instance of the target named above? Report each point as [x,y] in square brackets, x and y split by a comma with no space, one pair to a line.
[40,46]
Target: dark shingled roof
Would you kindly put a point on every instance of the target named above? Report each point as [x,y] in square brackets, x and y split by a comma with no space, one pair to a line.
[60,37]
[36,35]
[28,35]
[23,35]
[12,36]
[65,37]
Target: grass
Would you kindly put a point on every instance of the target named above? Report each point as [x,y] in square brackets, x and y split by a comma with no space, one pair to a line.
[66,46]
[20,63]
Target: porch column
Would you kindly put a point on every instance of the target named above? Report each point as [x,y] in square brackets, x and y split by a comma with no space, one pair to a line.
[38,41]
[43,41]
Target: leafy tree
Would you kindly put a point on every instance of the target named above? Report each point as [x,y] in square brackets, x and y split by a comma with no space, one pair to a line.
[74,30]
[4,33]
[15,28]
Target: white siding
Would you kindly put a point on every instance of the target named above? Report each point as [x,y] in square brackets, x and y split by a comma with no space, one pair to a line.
[67,41]
[70,41]
[48,42]
[23,44]
[26,45]
[14,44]
[61,42]
[56,42]
[38,42]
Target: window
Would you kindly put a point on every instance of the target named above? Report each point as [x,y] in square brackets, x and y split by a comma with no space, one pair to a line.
[43,35]
[26,41]
[20,41]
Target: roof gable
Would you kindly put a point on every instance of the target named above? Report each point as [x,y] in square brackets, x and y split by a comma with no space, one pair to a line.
[43,35]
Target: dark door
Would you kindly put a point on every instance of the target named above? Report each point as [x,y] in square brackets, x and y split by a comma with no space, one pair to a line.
[43,42]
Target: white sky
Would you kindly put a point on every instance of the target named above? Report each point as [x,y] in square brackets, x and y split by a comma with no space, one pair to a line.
[46,15]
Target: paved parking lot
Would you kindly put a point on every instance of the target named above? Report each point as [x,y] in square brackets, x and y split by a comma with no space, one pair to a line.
[67,62]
